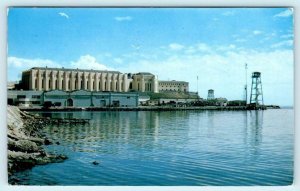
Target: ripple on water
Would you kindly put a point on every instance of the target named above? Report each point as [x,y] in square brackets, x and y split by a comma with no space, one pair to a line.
[171,148]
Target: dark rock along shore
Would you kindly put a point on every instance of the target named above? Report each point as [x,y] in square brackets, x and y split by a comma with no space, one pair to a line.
[25,142]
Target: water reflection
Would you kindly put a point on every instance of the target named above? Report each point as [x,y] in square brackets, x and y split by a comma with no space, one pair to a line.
[174,148]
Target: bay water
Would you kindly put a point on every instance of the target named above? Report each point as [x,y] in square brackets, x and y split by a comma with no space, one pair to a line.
[172,148]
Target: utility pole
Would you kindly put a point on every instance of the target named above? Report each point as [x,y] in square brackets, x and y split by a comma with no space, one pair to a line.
[246,86]
[197,86]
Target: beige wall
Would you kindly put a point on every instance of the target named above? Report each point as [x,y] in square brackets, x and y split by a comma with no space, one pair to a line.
[178,86]
[69,80]
[145,82]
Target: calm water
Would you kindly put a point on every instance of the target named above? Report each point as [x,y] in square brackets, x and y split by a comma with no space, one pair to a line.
[171,148]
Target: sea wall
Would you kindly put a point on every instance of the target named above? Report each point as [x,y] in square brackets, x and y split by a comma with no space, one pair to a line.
[25,142]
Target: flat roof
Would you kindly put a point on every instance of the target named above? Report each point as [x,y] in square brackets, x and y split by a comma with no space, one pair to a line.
[171,81]
[144,73]
[74,69]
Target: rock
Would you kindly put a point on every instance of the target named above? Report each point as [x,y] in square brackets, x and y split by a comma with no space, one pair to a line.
[95,163]
[23,146]
[47,142]
[57,143]
[24,141]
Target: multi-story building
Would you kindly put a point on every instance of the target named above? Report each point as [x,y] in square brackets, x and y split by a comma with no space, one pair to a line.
[45,79]
[178,86]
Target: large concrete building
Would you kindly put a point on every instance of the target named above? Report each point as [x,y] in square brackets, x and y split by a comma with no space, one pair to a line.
[178,86]
[45,79]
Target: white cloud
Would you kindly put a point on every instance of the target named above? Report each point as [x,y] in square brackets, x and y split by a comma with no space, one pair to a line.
[89,62]
[225,48]
[118,60]
[64,15]
[282,43]
[285,13]
[240,40]
[222,68]
[29,63]
[175,46]
[257,32]
[17,65]
[126,18]
[287,36]
[203,47]
[229,13]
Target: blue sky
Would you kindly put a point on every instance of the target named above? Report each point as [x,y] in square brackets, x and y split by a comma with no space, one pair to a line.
[174,44]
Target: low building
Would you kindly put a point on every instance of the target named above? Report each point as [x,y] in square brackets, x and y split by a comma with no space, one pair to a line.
[80,98]
[143,100]
[24,98]
[173,86]
[167,101]
[221,101]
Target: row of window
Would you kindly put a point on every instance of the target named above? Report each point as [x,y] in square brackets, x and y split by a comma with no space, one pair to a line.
[171,90]
[70,75]
[172,84]
[24,96]
[68,85]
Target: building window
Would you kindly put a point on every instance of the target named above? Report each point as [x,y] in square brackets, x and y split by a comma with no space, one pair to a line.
[63,84]
[21,96]
[36,96]
[42,83]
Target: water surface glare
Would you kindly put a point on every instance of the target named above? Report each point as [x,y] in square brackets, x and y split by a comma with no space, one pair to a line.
[170,148]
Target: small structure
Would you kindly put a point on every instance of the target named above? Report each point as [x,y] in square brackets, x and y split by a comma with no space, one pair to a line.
[143,99]
[210,94]
[256,97]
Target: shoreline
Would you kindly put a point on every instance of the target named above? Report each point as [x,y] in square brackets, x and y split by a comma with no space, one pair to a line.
[150,108]
[25,143]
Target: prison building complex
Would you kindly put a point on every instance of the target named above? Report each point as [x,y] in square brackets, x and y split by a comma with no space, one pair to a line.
[45,79]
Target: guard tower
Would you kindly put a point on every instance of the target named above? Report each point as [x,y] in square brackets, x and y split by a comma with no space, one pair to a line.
[256,97]
[210,94]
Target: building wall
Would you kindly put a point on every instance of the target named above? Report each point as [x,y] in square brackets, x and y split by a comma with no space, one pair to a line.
[24,98]
[145,82]
[56,97]
[178,86]
[78,98]
[45,79]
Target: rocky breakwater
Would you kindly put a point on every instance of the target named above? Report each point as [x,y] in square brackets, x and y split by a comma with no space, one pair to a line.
[25,142]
